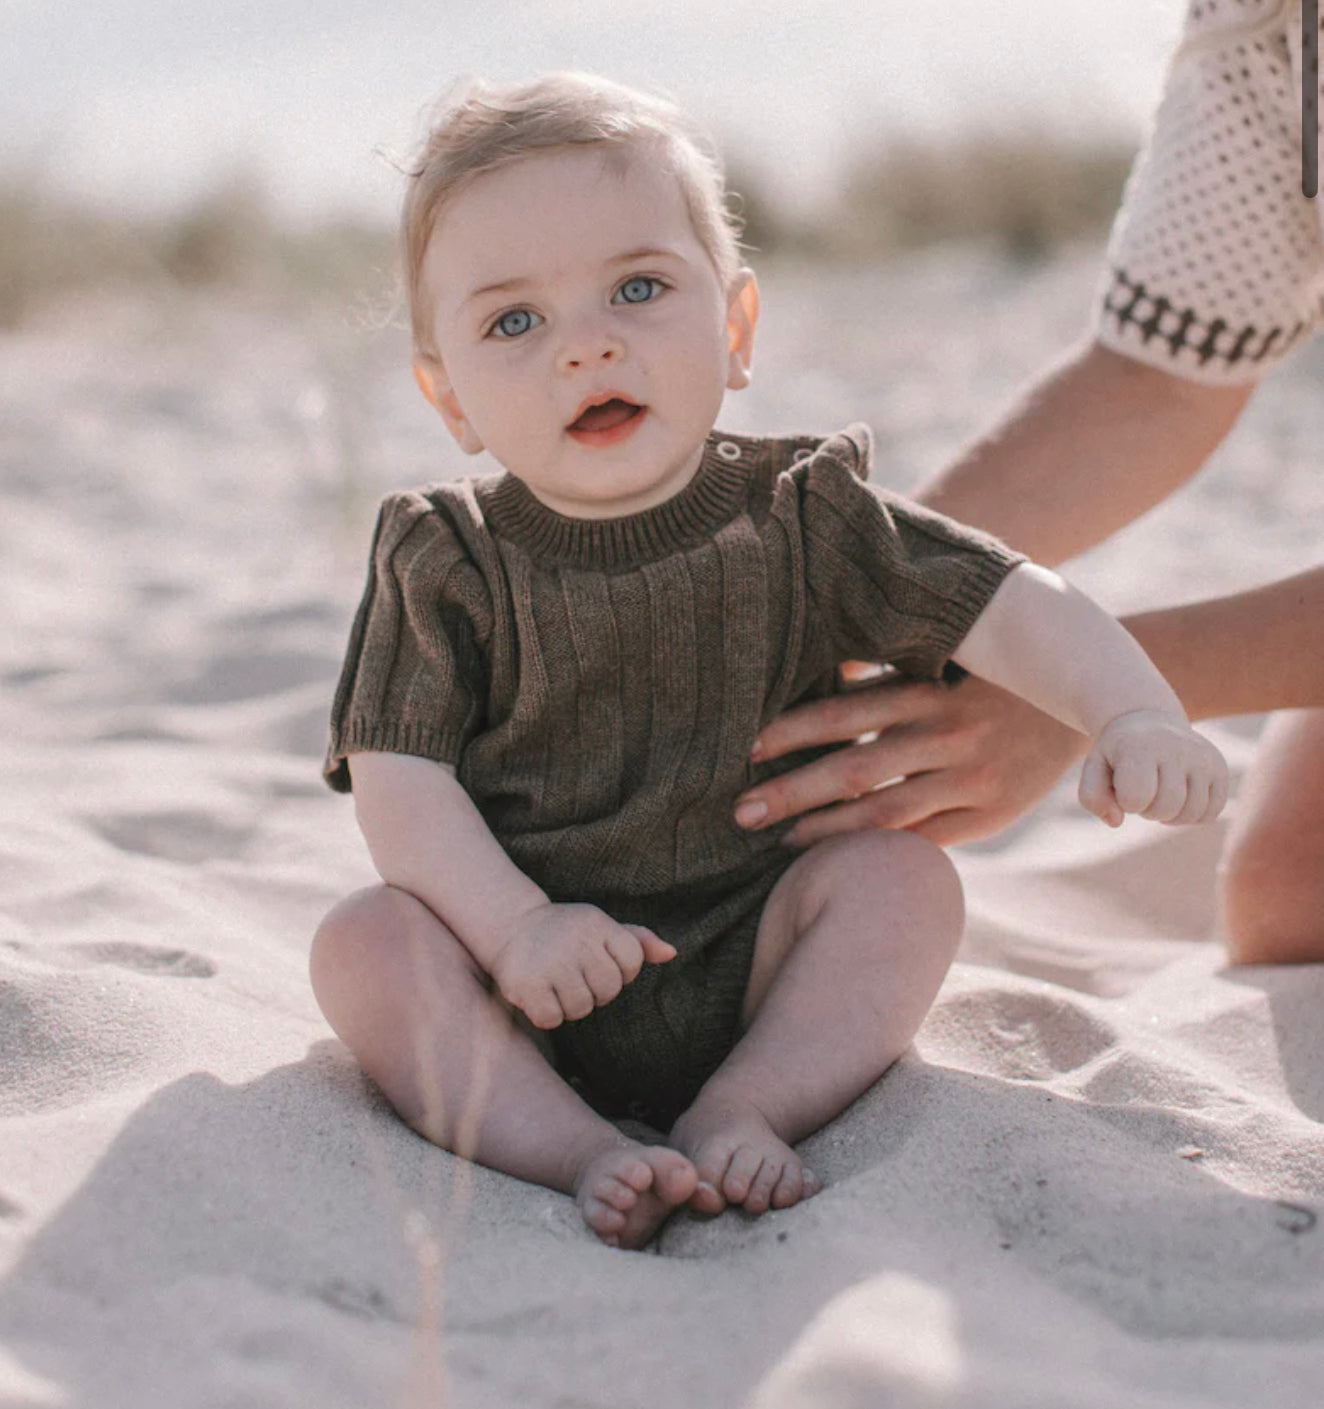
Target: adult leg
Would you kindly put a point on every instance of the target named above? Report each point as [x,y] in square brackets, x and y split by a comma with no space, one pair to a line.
[1271,881]
[852,947]
[407,998]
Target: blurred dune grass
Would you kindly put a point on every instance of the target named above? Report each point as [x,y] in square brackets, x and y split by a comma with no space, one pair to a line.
[53,247]
[1022,192]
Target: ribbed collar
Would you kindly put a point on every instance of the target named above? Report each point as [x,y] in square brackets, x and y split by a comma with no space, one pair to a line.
[713,497]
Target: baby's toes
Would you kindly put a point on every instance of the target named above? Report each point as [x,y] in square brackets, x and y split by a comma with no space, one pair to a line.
[741,1173]
[605,1220]
[712,1166]
[673,1176]
[636,1174]
[766,1182]
[617,1193]
[792,1186]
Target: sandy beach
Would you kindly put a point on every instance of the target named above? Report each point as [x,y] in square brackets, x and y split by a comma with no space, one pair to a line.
[1094,1182]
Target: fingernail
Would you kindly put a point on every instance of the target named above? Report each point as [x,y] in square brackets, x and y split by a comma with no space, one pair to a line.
[756,753]
[750,814]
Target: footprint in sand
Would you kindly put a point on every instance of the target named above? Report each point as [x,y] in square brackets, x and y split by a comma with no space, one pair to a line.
[172,836]
[140,958]
[1020,1035]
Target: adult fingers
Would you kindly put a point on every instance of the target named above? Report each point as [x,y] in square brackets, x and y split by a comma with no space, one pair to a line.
[958,825]
[840,718]
[848,773]
[905,805]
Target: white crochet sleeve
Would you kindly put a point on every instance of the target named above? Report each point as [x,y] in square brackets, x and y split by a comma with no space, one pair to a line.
[1216,263]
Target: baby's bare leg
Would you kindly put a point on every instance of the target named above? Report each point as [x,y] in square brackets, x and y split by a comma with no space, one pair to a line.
[852,947]
[408,1000]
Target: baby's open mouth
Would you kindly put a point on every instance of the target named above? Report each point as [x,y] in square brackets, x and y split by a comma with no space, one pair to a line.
[606,416]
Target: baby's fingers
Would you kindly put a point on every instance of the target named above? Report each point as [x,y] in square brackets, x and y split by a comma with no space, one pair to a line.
[1135,782]
[1218,791]
[1206,794]
[541,1009]
[574,996]
[1196,808]
[1096,789]
[603,973]
[1171,795]
[656,951]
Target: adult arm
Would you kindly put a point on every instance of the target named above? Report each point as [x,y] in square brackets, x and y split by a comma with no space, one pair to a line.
[1094,443]
[1244,653]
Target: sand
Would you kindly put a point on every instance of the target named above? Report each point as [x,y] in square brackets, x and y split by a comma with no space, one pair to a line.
[1094,1182]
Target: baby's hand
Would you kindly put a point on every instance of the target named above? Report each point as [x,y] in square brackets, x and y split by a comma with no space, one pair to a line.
[1154,764]
[565,960]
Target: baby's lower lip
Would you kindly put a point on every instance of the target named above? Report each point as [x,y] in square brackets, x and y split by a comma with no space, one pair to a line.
[613,435]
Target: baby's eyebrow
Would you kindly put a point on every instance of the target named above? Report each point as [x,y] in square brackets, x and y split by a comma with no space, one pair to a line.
[647,252]
[501,287]
[504,286]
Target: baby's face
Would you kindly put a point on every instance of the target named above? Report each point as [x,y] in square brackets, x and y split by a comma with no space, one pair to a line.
[585,337]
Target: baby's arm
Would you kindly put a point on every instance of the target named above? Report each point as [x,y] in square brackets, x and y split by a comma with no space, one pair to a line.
[1045,641]
[425,836]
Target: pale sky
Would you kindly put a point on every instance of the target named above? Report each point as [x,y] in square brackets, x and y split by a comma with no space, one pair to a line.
[150,101]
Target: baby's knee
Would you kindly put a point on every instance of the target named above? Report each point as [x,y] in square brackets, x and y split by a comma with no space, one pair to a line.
[349,926]
[371,930]
[896,870]
[1271,899]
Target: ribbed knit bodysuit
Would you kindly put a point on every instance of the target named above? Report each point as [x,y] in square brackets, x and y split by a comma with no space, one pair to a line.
[598,685]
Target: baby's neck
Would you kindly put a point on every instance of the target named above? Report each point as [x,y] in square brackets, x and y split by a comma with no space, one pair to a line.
[654,491]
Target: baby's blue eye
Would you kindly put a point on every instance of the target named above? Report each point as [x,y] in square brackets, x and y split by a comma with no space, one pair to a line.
[639,290]
[515,323]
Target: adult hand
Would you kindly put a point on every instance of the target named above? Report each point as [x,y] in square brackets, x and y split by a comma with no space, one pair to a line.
[971,758]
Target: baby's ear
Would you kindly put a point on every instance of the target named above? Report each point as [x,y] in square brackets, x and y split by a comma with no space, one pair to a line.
[742,316]
[430,374]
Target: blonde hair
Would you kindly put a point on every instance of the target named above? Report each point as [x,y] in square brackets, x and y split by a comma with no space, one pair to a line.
[484,127]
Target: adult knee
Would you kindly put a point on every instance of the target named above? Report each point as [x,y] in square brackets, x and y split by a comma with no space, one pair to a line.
[1271,898]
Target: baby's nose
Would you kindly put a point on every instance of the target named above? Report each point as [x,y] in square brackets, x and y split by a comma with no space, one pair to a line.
[590,349]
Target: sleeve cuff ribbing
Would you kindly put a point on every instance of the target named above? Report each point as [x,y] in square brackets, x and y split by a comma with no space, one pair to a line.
[369,736]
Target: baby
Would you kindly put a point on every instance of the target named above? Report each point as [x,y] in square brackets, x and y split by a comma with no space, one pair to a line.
[556,678]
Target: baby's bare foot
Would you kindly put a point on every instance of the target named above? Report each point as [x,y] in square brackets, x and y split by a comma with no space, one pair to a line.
[740,1159]
[627,1191]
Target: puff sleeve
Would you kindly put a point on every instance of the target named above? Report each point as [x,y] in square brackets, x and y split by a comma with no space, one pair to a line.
[413,680]
[888,580]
